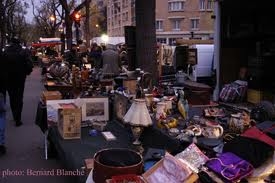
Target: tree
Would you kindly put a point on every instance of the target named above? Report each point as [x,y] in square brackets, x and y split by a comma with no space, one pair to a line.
[48,17]
[146,46]
[69,10]
[96,21]
[4,6]
[87,25]
[12,20]
[16,22]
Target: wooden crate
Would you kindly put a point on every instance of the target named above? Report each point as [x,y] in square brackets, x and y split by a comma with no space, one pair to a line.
[255,96]
[69,121]
[51,95]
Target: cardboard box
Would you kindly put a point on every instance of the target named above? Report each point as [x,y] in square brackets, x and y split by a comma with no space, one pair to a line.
[69,121]
[51,95]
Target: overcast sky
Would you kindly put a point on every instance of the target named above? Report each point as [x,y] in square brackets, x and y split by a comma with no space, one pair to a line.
[29,16]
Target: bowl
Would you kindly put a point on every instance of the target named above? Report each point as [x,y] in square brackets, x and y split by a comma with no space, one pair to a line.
[116,161]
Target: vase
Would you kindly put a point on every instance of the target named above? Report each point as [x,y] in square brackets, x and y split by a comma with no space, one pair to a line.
[161,110]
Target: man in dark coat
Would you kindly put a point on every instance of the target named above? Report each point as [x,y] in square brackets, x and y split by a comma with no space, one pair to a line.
[72,57]
[16,64]
[111,61]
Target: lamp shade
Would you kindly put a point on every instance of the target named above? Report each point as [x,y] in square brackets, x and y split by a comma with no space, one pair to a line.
[138,114]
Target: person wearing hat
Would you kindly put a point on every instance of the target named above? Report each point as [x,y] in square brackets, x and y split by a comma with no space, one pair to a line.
[16,64]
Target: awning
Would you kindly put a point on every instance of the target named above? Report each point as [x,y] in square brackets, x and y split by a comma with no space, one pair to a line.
[51,44]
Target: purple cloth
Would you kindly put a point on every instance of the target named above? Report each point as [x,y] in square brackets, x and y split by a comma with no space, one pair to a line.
[230,166]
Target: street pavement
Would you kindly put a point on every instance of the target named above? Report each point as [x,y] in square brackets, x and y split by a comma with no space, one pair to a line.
[25,144]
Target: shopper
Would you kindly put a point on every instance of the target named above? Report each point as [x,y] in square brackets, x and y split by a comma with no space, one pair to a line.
[123,55]
[73,57]
[96,56]
[16,64]
[111,61]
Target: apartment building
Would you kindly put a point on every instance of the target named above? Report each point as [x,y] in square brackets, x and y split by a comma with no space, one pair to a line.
[174,19]
[120,13]
[184,19]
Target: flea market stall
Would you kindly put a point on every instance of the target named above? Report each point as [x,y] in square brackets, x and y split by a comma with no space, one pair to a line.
[123,129]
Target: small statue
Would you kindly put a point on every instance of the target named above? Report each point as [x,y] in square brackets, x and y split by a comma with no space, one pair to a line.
[183,106]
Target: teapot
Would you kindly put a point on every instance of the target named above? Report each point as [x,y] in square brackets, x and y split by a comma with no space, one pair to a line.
[212,130]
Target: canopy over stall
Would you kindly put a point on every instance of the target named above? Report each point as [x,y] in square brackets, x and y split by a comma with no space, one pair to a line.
[47,42]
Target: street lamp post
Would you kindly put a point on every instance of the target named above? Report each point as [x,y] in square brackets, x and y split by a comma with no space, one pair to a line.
[62,38]
[77,18]
[52,24]
[97,30]
[76,32]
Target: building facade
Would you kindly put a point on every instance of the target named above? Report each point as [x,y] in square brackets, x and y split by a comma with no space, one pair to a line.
[175,19]
[184,19]
[120,13]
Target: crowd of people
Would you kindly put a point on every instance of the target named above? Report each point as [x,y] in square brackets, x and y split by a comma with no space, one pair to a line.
[109,58]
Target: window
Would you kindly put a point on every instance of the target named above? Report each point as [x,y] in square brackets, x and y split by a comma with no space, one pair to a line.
[176,6]
[117,7]
[194,23]
[202,4]
[159,25]
[176,24]
[124,3]
[126,16]
[133,3]
[210,5]
[172,41]
[161,40]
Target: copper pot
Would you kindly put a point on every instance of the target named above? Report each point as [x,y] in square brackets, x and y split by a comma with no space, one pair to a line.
[116,161]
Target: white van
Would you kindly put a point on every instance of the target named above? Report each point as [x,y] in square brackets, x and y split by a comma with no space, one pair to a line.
[205,60]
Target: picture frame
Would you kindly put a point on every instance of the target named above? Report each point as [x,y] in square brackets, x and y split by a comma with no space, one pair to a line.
[53,106]
[120,106]
[95,109]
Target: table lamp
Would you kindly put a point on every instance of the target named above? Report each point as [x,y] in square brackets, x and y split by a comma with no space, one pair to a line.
[138,117]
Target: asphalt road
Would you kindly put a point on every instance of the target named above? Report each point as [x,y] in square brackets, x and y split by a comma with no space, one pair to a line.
[25,144]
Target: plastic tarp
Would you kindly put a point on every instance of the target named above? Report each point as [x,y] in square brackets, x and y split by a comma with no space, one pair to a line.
[111,40]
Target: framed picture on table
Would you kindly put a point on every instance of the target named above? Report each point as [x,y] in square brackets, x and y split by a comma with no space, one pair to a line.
[95,109]
[53,106]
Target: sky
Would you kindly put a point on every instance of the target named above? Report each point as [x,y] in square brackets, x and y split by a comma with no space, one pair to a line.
[29,15]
